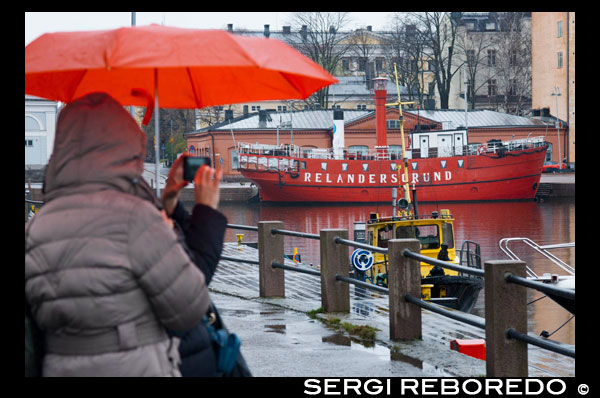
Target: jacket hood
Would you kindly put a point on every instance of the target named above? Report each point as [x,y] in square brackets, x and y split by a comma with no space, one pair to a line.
[97,146]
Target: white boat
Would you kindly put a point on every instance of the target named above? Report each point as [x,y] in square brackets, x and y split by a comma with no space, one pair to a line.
[563,281]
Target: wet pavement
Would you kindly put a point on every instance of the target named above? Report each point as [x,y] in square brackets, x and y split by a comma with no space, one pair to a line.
[281,342]
[280,339]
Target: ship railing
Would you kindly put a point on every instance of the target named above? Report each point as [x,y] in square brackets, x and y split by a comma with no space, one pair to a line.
[255,156]
[543,250]
[505,292]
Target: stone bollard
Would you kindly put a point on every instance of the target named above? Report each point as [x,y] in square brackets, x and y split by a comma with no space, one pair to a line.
[404,276]
[271,281]
[335,295]
[505,307]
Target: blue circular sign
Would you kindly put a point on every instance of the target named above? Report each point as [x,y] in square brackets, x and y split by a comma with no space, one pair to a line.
[362,260]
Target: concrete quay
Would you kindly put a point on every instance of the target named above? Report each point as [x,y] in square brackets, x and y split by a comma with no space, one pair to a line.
[280,339]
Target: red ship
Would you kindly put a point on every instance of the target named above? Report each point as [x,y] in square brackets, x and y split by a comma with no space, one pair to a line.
[438,166]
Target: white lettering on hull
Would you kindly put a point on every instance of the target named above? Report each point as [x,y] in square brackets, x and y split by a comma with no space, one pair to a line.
[371,179]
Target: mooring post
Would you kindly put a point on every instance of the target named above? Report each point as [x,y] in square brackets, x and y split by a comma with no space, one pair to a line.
[505,307]
[335,295]
[404,276]
[270,248]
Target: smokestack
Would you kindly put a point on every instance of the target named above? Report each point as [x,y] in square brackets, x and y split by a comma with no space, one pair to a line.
[338,134]
[230,27]
[266,32]
[379,84]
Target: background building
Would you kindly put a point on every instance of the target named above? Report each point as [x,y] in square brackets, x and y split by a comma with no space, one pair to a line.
[553,71]
[40,126]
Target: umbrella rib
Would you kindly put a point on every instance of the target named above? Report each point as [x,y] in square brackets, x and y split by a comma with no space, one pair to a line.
[76,86]
[189,73]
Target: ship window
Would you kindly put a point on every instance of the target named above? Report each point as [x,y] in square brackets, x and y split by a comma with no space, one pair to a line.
[344,166]
[324,166]
[393,166]
[303,165]
[384,235]
[429,236]
[407,232]
[365,166]
[448,235]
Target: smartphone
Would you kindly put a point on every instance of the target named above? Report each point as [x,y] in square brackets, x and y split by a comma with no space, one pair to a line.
[191,164]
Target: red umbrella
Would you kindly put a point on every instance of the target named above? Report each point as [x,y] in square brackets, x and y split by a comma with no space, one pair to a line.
[185,68]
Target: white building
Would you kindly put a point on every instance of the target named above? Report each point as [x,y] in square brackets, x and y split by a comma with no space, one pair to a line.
[40,127]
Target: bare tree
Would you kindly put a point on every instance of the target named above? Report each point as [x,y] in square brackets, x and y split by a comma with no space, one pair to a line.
[439,31]
[513,68]
[406,48]
[474,46]
[321,41]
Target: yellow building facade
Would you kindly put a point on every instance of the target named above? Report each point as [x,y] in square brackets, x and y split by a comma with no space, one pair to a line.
[553,71]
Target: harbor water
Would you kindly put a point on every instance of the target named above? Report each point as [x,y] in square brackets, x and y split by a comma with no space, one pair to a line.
[485,223]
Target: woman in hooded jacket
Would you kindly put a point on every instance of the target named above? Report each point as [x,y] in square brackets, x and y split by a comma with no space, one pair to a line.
[105,274]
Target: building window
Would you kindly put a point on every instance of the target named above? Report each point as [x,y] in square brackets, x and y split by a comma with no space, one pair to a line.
[346,65]
[361,107]
[490,26]
[281,108]
[512,88]
[560,59]
[393,124]
[491,55]
[492,88]
[379,65]
[470,26]
[255,108]
[559,29]
[29,143]
[362,64]
[512,54]
[471,57]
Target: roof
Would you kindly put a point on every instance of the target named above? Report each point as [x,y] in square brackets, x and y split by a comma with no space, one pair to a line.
[308,119]
[355,85]
[476,118]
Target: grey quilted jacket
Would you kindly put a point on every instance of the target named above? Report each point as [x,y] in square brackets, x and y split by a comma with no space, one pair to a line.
[104,273]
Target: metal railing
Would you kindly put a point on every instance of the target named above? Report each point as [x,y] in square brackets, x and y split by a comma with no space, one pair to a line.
[507,309]
[543,250]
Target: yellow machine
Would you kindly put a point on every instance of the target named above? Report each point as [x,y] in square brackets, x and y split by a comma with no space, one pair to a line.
[432,232]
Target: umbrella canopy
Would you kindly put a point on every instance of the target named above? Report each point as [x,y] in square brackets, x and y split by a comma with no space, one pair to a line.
[186,68]
[190,68]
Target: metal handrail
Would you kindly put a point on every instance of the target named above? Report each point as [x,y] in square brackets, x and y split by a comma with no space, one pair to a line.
[542,287]
[297,269]
[543,250]
[366,285]
[456,315]
[245,227]
[347,242]
[294,233]
[239,260]
[550,345]
[444,264]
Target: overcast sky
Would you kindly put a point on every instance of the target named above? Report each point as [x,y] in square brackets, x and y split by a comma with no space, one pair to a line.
[38,23]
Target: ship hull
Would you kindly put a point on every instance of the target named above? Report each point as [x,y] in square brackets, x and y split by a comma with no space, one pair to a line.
[512,176]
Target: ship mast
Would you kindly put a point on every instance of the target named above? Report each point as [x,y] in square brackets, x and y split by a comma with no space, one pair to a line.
[404,158]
